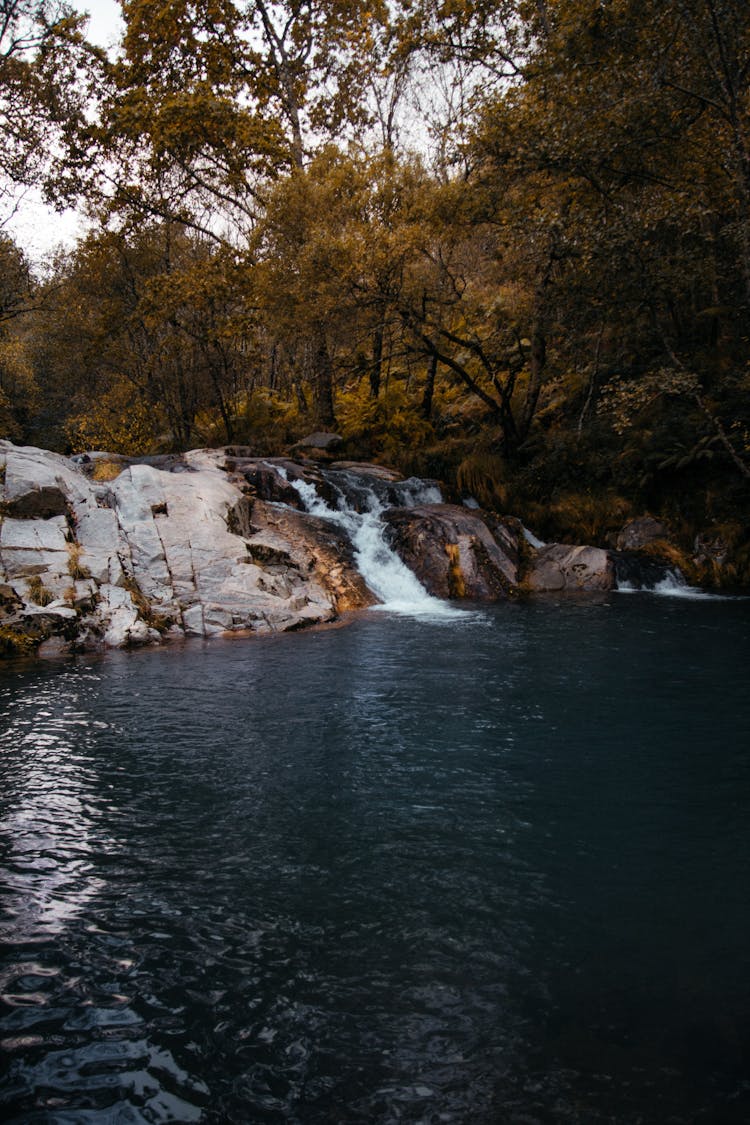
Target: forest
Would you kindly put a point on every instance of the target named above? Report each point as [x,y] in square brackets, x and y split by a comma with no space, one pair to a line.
[504,244]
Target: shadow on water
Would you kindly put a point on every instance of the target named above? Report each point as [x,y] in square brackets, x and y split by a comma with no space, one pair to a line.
[482,870]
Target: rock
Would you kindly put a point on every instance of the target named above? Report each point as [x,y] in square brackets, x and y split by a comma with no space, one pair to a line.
[34,546]
[359,489]
[266,481]
[636,571]
[640,532]
[54,647]
[456,552]
[98,534]
[119,619]
[559,567]
[180,547]
[326,442]
[214,541]
[710,549]
[320,552]
[50,615]
[38,487]
[379,472]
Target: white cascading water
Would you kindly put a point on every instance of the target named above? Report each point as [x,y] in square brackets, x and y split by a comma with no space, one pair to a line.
[398,588]
[672,585]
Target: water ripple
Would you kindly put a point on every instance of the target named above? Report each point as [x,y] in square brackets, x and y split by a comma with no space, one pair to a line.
[422,890]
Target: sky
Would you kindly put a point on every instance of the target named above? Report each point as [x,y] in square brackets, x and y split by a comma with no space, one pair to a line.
[37,228]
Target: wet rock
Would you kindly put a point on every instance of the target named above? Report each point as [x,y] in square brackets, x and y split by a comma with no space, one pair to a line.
[639,572]
[320,552]
[265,480]
[559,567]
[359,490]
[54,647]
[456,552]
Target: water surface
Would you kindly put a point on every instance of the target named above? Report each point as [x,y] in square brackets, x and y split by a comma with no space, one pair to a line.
[484,869]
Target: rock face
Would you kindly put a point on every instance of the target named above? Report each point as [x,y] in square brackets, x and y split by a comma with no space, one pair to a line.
[457,552]
[217,541]
[177,550]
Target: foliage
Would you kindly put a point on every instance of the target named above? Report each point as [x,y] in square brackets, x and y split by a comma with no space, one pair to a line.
[114,423]
[544,302]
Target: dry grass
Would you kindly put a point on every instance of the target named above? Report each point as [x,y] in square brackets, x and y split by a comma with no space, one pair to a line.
[38,592]
[106,470]
[76,569]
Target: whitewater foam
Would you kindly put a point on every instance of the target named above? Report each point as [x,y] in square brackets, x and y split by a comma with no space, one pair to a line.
[398,588]
[672,585]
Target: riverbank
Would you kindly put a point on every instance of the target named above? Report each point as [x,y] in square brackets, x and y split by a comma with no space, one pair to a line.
[101,551]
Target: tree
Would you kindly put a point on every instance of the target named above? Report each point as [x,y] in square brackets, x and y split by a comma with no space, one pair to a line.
[152,316]
[18,390]
[47,74]
[212,100]
[632,177]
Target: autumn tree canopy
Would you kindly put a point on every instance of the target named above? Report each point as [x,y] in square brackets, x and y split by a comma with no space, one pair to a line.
[504,243]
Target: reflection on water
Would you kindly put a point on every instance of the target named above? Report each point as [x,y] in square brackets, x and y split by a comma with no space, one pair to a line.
[50,807]
[403,871]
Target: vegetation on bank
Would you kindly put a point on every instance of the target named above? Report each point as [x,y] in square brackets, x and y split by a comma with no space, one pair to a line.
[506,245]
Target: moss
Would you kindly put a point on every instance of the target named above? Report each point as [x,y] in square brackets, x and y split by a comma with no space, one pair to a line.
[456,582]
[15,643]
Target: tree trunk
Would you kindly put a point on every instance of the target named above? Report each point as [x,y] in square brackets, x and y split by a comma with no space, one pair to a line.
[538,355]
[537,362]
[429,388]
[323,381]
[376,370]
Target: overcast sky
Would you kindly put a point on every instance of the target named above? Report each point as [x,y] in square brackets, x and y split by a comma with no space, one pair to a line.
[34,226]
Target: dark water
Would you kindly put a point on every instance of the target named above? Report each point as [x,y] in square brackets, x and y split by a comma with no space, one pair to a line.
[485,871]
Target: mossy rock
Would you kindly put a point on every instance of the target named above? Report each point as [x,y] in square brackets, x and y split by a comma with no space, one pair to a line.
[15,642]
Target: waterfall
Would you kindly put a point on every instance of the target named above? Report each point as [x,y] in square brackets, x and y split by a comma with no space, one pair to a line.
[635,575]
[360,504]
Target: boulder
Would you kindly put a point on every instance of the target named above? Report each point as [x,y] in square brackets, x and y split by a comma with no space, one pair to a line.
[37,484]
[379,472]
[319,441]
[456,552]
[559,567]
[265,480]
[638,533]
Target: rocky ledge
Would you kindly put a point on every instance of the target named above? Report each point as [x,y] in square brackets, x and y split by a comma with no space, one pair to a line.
[99,551]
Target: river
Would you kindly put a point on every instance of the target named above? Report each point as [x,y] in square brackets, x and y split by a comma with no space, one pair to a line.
[491,867]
